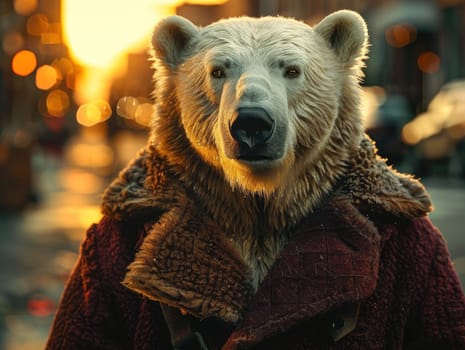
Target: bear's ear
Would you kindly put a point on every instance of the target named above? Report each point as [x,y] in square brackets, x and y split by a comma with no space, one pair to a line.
[346,33]
[170,39]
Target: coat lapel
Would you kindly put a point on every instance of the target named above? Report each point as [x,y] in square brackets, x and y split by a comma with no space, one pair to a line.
[187,262]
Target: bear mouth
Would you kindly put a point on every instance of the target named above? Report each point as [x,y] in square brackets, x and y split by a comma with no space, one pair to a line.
[255,158]
[256,154]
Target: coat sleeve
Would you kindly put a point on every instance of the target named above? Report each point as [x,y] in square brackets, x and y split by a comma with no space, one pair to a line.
[81,321]
[441,316]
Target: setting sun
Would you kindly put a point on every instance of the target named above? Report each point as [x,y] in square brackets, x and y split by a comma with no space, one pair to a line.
[99,31]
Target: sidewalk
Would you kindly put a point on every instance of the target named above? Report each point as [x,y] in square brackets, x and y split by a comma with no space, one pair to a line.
[449,216]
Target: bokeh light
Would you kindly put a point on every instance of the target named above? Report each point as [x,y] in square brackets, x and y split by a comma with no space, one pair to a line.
[71,80]
[400,35]
[138,109]
[63,64]
[57,103]
[422,127]
[52,35]
[143,114]
[41,306]
[12,42]
[445,116]
[37,24]
[24,62]
[429,62]
[65,70]
[46,77]
[25,7]
[126,107]
[93,113]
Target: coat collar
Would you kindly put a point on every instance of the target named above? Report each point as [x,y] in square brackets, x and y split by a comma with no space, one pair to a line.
[148,184]
[187,261]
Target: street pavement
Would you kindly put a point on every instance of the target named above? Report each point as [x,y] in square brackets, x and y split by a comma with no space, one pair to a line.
[448,197]
[39,246]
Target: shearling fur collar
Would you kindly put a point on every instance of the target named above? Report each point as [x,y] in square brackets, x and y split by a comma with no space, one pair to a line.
[188,261]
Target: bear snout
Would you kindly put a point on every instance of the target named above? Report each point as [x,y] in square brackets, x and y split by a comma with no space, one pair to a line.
[252,126]
[254,136]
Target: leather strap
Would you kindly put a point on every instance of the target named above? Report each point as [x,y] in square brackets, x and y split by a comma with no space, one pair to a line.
[182,336]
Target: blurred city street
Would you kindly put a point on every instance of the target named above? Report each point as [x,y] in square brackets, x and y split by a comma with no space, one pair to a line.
[40,245]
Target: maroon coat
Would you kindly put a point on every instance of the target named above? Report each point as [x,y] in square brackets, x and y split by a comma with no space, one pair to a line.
[350,278]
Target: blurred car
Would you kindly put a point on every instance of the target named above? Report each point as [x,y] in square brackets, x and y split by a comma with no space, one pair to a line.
[438,135]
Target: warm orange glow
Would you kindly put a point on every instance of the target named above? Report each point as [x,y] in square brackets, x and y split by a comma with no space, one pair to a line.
[90,114]
[400,35]
[88,215]
[138,109]
[372,98]
[126,107]
[420,128]
[79,181]
[206,2]
[52,36]
[57,103]
[71,80]
[46,77]
[99,34]
[63,64]
[99,31]
[37,24]
[429,62]
[143,114]
[65,70]
[12,42]
[446,112]
[24,63]
[25,7]
[93,83]
[41,306]
[93,156]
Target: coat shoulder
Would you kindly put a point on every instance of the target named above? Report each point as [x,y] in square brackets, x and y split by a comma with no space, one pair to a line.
[110,245]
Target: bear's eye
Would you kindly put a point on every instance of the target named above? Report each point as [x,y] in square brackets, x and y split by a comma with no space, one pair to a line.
[218,73]
[291,72]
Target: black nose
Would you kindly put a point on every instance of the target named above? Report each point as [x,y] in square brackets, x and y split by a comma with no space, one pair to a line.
[252,126]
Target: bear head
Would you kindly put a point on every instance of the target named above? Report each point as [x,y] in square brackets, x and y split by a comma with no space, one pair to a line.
[260,101]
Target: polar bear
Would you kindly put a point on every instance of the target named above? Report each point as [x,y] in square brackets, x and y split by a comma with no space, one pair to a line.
[259,215]
[268,107]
